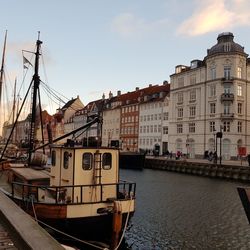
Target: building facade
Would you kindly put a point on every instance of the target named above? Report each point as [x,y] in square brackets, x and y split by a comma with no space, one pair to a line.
[209,100]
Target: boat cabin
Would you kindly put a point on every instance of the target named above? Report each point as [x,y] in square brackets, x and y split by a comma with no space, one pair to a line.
[87,174]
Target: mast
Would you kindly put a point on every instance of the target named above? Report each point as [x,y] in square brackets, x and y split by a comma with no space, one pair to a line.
[2,75]
[36,80]
[14,104]
[14,111]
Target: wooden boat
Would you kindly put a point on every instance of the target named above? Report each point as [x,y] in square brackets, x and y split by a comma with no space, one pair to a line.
[80,194]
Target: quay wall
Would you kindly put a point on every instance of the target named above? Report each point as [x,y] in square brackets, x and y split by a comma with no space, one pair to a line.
[223,171]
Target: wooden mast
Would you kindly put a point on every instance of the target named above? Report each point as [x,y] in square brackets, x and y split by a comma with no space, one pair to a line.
[36,80]
[1,76]
[14,112]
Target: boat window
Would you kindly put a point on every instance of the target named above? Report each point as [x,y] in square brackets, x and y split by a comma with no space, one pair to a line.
[66,160]
[87,159]
[53,158]
[106,161]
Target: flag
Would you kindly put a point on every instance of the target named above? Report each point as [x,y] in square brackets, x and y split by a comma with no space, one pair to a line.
[25,62]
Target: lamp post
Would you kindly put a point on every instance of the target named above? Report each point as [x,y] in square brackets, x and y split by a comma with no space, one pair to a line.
[219,135]
[214,139]
[187,145]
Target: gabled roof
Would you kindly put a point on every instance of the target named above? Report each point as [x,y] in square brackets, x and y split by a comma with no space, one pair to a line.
[138,95]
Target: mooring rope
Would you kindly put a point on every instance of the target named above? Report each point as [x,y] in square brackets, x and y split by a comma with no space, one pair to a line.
[126,224]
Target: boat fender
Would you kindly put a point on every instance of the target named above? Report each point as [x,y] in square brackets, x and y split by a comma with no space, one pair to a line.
[105,210]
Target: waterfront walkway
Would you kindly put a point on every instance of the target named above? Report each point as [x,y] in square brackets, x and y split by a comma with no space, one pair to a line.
[239,163]
[234,170]
[19,231]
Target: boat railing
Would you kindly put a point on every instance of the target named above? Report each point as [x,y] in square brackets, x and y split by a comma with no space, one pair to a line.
[74,194]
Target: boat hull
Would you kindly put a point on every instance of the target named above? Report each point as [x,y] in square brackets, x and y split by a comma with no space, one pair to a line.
[53,217]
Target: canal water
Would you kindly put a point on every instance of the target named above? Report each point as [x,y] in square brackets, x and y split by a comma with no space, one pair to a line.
[177,211]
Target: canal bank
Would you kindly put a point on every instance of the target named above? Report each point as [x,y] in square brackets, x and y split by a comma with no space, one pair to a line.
[234,170]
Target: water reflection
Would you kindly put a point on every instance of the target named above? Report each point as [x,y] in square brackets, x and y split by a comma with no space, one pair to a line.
[176,211]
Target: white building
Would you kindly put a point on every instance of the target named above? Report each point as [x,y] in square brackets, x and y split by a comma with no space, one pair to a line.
[211,96]
[153,118]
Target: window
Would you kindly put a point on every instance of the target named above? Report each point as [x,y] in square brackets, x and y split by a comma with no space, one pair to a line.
[227,47]
[180,98]
[213,73]
[227,72]
[239,90]
[106,161]
[165,116]
[227,108]
[87,161]
[227,89]
[226,126]
[192,95]
[212,90]
[159,128]
[179,128]
[239,72]
[239,108]
[193,79]
[191,127]
[53,157]
[180,82]
[155,128]
[239,127]
[165,130]
[212,108]
[212,126]
[180,112]
[192,111]
[66,156]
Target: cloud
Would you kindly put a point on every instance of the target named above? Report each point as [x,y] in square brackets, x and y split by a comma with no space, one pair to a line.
[129,25]
[216,15]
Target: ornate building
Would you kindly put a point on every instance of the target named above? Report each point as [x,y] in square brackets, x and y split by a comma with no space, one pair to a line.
[212,96]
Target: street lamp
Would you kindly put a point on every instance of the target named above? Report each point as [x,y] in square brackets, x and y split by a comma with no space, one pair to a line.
[187,145]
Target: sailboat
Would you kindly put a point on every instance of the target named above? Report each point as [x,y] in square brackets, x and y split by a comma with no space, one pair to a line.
[80,194]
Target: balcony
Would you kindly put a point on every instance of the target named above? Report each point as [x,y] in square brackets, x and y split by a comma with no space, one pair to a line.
[227,80]
[227,116]
[227,97]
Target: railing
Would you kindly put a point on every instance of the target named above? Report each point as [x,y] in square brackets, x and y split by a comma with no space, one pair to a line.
[227,97]
[57,194]
[227,79]
[227,115]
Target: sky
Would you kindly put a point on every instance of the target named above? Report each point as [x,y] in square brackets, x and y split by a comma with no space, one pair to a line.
[91,47]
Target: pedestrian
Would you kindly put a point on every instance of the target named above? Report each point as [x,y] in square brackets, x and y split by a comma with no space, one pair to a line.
[248,159]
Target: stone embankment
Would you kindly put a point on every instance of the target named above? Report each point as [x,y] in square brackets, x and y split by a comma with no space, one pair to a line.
[227,170]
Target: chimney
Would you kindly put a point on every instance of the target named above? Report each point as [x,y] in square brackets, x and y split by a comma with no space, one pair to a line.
[137,88]
[110,95]
[118,92]
[103,96]
[165,82]
[150,85]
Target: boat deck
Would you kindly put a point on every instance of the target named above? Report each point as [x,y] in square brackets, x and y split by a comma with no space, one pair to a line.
[30,174]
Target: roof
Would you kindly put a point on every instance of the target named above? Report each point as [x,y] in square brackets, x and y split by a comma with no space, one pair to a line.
[226,44]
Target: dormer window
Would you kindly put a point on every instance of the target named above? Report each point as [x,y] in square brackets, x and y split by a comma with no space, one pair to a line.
[227,47]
